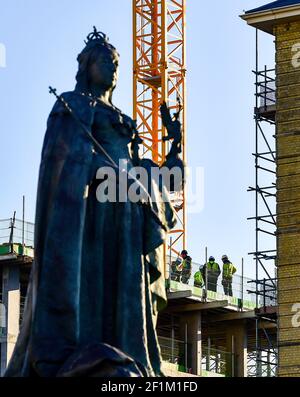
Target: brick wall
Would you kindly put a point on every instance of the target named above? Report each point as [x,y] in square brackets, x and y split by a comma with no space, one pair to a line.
[288,199]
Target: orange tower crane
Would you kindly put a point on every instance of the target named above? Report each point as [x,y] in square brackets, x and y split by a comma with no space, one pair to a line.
[160,75]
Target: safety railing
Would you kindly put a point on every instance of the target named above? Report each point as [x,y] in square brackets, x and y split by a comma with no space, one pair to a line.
[213,361]
[15,231]
[239,286]
[266,88]
[266,291]
[174,351]
[216,361]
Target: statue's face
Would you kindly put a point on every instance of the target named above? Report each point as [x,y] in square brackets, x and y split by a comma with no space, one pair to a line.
[105,70]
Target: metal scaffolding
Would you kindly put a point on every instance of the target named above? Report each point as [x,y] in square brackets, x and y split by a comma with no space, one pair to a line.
[265,254]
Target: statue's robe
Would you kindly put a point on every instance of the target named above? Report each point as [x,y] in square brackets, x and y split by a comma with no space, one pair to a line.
[95,279]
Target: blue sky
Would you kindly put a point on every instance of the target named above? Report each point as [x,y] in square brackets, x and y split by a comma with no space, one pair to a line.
[42,40]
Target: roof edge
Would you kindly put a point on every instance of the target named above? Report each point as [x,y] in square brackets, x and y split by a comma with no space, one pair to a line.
[257,10]
[267,19]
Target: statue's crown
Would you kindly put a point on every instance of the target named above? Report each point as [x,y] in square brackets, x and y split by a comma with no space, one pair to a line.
[96,36]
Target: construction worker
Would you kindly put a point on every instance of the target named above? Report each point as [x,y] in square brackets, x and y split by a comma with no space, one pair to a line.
[198,279]
[186,267]
[213,272]
[176,270]
[228,271]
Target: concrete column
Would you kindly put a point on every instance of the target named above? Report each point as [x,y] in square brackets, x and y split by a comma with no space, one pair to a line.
[11,301]
[190,331]
[236,347]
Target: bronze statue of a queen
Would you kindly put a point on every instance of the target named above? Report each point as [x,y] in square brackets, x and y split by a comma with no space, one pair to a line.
[97,281]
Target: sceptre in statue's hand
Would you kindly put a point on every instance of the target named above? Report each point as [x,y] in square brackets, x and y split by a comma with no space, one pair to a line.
[173,161]
[173,126]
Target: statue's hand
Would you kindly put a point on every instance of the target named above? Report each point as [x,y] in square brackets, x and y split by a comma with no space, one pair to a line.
[173,160]
[173,126]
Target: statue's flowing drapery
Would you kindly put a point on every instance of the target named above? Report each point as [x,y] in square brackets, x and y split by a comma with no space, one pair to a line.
[98,269]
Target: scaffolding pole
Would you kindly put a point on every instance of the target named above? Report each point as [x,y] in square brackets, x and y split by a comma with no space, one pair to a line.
[265,210]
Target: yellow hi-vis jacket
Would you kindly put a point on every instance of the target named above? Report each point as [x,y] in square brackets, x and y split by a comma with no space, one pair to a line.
[213,268]
[228,271]
[198,279]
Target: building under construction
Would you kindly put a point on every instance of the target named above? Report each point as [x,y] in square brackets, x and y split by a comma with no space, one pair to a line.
[204,333]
